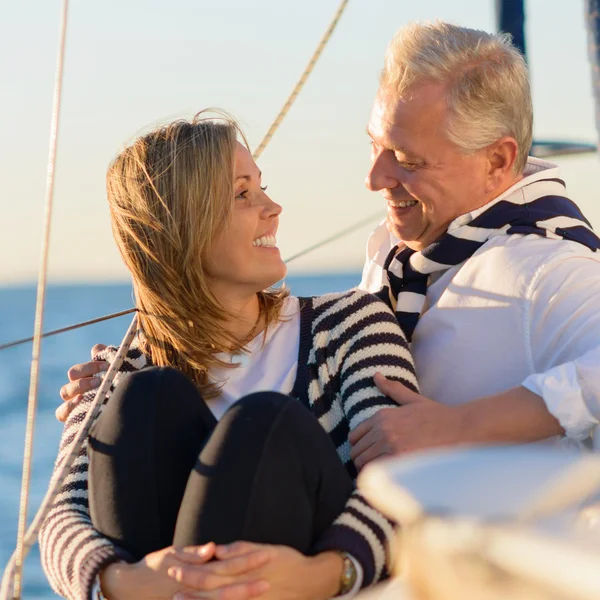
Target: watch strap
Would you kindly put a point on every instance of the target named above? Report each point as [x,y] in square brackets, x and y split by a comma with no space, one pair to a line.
[348,576]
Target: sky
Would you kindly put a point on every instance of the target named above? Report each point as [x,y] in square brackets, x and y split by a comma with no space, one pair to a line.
[132,64]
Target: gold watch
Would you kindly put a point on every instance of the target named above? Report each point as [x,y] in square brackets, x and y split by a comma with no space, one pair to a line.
[349,575]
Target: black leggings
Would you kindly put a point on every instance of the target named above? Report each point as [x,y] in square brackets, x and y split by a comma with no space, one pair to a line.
[163,471]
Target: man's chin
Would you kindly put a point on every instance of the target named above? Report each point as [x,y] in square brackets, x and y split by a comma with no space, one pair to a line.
[402,235]
[397,230]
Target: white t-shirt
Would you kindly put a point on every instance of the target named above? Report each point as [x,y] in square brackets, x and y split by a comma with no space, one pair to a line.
[269,364]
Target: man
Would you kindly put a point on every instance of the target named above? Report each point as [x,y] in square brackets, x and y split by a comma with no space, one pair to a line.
[495,279]
[496,268]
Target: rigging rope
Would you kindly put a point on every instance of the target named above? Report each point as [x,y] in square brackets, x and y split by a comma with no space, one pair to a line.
[61,473]
[39,310]
[298,87]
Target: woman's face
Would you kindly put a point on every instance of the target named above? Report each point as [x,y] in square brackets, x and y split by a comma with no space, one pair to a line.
[244,258]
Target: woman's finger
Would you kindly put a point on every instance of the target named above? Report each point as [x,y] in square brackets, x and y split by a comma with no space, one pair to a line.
[198,577]
[237,549]
[235,591]
[239,565]
[195,555]
[218,573]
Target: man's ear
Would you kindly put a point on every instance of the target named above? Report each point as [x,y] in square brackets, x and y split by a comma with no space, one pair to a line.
[501,156]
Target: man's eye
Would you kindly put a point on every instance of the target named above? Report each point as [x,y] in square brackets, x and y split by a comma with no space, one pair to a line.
[408,166]
[242,195]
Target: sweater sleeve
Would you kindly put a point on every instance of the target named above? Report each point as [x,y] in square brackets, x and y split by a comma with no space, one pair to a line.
[366,339]
[72,551]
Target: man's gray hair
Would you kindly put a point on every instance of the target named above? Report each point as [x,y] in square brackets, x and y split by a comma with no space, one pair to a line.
[489,96]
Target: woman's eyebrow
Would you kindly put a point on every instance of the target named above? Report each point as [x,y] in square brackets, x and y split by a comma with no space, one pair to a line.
[248,177]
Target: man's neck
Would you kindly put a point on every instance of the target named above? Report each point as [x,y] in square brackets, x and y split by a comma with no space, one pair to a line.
[504,187]
[497,192]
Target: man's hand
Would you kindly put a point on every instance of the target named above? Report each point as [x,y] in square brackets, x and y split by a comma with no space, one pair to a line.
[82,379]
[151,578]
[288,574]
[418,423]
[516,416]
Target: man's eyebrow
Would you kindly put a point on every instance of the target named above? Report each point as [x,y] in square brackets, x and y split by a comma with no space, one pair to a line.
[406,151]
[396,148]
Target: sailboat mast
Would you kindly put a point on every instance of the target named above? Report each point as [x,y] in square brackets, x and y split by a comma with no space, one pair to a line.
[510,16]
[592,17]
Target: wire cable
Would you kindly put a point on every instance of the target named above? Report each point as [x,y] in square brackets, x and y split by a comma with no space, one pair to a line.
[335,236]
[70,328]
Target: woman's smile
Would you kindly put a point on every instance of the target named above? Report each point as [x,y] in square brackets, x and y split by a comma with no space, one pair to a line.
[266,241]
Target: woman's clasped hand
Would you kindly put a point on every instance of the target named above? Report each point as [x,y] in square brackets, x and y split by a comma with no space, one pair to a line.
[227,572]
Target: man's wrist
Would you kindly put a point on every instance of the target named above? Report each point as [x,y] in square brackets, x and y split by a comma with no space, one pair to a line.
[514,416]
[468,423]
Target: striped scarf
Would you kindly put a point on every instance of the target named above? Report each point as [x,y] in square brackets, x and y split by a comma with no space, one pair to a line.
[407,272]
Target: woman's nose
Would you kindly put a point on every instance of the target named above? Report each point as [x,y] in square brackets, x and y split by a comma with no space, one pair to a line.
[271,208]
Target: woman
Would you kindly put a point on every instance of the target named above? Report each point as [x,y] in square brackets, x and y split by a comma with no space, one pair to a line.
[177,459]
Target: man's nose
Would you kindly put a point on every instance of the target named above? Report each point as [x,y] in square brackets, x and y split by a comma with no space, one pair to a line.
[381,174]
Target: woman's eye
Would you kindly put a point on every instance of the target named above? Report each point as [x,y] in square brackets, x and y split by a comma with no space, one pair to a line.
[244,194]
[264,188]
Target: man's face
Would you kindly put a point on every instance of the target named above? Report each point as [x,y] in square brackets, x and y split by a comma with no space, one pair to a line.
[425,178]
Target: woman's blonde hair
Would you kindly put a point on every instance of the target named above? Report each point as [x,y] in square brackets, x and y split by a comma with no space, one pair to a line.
[489,94]
[169,194]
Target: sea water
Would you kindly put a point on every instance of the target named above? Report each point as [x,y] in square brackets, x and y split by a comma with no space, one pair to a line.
[64,305]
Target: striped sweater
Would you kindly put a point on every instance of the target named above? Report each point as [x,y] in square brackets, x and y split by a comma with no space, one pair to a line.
[344,340]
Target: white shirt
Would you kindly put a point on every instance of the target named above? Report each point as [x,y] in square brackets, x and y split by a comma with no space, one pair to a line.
[523,310]
[269,364]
